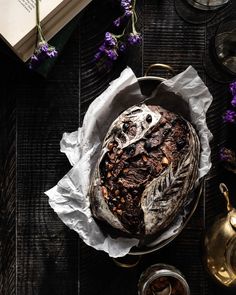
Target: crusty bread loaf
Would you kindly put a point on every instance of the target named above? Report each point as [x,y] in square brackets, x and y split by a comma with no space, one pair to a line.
[147,168]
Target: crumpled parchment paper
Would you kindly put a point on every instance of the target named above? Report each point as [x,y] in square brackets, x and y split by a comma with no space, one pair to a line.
[69,197]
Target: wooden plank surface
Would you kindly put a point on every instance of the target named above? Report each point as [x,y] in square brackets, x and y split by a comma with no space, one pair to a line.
[39,254]
[7,193]
[47,251]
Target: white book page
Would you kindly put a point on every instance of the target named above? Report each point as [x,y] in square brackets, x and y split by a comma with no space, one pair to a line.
[18,17]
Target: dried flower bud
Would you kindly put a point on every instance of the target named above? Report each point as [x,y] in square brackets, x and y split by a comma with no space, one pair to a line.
[228,157]
[229,116]
[232,87]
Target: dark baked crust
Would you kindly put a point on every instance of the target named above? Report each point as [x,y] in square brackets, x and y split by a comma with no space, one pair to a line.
[125,173]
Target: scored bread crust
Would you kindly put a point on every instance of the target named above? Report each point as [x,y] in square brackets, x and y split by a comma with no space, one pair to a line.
[161,151]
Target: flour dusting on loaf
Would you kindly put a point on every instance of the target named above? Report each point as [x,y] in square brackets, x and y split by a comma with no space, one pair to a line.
[147,168]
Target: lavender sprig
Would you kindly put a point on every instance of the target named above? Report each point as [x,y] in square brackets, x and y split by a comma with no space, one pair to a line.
[116,44]
[232,88]
[43,50]
[228,157]
[230,115]
[233,102]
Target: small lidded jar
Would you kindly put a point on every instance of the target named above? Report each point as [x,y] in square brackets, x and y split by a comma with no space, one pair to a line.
[162,279]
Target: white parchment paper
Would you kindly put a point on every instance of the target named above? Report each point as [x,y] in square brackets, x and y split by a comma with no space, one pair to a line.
[82,147]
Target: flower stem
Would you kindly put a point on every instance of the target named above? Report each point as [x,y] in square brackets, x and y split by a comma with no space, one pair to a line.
[134,11]
[133,25]
[40,33]
[134,18]
[37,13]
[134,6]
[119,36]
[38,24]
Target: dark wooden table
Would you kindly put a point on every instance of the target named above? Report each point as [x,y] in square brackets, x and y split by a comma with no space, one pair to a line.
[39,254]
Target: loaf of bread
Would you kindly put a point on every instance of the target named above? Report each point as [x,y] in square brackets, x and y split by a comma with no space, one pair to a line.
[147,168]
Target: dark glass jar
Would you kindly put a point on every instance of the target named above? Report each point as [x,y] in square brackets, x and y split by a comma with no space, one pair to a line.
[162,279]
[208,4]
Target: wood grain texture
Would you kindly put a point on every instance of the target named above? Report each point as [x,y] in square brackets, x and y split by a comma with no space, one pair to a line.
[47,251]
[7,195]
[39,255]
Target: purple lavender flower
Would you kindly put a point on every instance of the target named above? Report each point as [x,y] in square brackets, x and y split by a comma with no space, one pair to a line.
[233,101]
[112,54]
[128,13]
[229,116]
[45,50]
[108,48]
[232,87]
[226,154]
[43,47]
[33,61]
[42,52]
[123,19]
[52,52]
[134,39]
[122,47]
[114,44]
[117,22]
[102,48]
[228,157]
[98,55]
[126,4]
[110,40]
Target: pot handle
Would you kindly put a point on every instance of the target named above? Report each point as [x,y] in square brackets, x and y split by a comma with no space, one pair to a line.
[232,212]
[168,68]
[225,192]
[128,261]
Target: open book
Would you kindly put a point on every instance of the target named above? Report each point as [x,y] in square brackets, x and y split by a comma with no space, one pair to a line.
[18,21]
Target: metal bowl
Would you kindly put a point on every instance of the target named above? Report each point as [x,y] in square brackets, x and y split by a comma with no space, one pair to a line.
[147,84]
[155,245]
